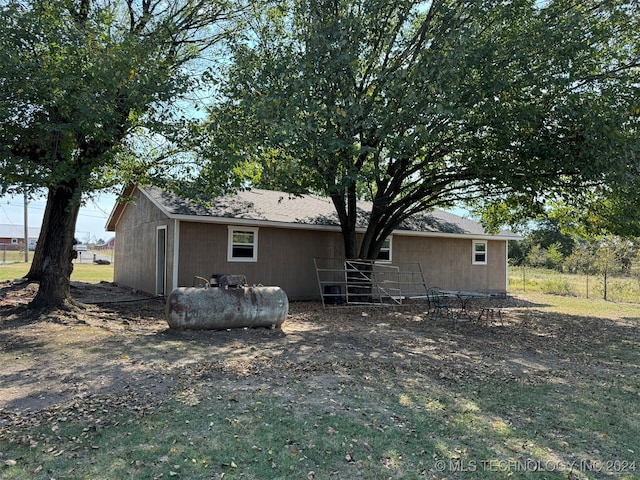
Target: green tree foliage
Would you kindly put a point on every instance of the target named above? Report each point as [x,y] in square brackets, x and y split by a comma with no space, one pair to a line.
[581,259]
[552,244]
[537,256]
[607,260]
[549,232]
[555,257]
[634,269]
[81,80]
[604,256]
[416,105]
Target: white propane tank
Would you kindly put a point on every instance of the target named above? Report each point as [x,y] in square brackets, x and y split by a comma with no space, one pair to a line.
[191,308]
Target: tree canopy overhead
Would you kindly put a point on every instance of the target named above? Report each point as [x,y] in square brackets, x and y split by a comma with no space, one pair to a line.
[79,79]
[418,104]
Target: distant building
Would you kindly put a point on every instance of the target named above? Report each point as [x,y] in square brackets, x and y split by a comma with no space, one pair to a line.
[12,236]
[109,245]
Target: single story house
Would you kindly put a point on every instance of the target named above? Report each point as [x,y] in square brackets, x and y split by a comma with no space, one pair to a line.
[163,242]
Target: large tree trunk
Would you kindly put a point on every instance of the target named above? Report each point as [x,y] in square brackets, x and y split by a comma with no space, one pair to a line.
[359,286]
[57,255]
[346,208]
[372,239]
[350,243]
[35,272]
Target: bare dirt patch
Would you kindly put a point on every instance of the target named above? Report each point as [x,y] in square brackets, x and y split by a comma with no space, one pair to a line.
[120,347]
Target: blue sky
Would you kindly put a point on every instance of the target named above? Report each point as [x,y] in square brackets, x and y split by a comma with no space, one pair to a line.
[91,220]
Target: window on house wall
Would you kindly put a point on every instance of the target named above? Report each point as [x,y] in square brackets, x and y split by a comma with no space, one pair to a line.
[479,252]
[14,241]
[243,244]
[385,251]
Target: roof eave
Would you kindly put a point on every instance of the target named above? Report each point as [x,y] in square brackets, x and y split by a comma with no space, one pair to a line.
[333,228]
[119,209]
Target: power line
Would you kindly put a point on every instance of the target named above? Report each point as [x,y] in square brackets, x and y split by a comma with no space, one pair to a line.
[7,215]
[100,212]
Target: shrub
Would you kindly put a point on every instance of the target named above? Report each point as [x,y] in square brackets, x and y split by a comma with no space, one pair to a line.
[557,286]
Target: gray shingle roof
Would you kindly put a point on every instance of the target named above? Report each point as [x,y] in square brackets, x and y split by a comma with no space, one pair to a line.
[17,231]
[279,207]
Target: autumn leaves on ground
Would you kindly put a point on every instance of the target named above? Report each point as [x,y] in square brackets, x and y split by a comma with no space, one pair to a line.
[112,393]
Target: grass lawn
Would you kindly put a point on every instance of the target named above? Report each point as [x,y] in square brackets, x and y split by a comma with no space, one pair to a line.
[82,272]
[619,289]
[552,392]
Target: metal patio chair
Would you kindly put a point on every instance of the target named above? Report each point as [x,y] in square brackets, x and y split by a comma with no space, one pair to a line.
[438,303]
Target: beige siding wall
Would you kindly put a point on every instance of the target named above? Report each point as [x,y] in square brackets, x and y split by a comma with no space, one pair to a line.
[447,262]
[285,257]
[135,250]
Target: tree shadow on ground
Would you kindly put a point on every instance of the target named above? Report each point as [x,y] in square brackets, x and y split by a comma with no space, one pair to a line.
[122,347]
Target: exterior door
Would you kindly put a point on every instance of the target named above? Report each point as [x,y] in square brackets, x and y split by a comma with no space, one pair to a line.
[161,260]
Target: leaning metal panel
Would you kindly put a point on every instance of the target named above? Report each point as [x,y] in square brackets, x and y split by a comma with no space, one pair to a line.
[365,282]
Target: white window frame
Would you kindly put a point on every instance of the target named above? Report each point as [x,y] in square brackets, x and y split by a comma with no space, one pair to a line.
[388,249]
[475,252]
[14,241]
[230,244]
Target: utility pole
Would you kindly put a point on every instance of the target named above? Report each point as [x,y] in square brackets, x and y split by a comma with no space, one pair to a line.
[26,229]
